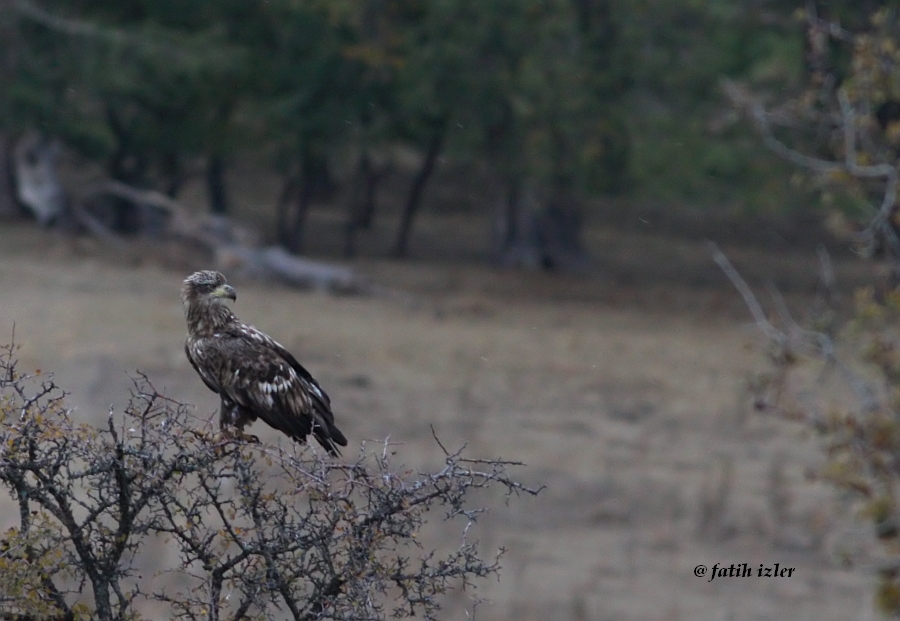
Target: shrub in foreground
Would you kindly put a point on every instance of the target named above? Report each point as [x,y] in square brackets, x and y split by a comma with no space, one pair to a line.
[261,531]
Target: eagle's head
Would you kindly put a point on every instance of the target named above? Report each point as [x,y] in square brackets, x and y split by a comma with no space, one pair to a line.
[203,295]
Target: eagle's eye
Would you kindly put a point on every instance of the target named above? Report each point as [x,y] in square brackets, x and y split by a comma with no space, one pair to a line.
[206,282]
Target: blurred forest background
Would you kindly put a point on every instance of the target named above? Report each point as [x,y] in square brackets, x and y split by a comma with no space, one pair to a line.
[536,115]
[422,144]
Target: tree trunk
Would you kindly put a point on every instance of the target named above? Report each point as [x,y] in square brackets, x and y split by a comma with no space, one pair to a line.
[283,208]
[304,199]
[414,199]
[534,231]
[125,164]
[298,231]
[173,173]
[505,223]
[513,202]
[558,230]
[354,205]
[8,205]
[514,238]
[374,177]
[215,185]
[361,200]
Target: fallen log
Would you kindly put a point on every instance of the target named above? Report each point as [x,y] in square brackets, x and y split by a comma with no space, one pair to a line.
[275,263]
[235,249]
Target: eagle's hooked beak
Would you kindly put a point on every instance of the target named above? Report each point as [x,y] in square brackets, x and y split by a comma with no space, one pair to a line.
[225,291]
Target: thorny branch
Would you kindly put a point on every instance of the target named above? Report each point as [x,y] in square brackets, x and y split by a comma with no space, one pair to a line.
[257,528]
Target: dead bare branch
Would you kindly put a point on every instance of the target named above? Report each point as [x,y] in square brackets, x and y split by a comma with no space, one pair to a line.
[759,316]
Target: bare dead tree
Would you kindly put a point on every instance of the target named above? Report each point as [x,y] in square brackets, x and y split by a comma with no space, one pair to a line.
[260,530]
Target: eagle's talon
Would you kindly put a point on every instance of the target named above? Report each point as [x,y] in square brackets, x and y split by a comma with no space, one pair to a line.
[235,435]
[204,437]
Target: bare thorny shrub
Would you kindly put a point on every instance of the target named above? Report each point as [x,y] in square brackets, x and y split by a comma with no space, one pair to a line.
[262,532]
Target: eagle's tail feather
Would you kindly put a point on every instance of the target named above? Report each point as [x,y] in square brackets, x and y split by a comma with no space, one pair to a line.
[336,435]
[330,437]
[327,443]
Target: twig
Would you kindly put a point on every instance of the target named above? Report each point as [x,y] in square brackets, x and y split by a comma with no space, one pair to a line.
[436,439]
[759,316]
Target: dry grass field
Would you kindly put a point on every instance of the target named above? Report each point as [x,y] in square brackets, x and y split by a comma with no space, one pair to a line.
[624,392]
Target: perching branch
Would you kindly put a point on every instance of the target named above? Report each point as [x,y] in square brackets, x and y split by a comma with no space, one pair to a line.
[259,528]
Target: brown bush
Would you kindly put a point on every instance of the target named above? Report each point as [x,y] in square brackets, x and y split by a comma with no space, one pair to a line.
[262,532]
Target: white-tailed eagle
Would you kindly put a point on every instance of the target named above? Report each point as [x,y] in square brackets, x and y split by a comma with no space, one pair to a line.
[254,375]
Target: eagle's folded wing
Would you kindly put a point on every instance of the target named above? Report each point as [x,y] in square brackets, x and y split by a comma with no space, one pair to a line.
[194,349]
[260,375]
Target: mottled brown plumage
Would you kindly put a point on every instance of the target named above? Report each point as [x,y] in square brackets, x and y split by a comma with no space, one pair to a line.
[254,375]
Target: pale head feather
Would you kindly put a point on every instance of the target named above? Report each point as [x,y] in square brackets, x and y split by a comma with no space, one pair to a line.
[203,295]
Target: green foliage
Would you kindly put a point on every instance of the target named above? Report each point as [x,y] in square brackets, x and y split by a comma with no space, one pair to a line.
[539,81]
[142,86]
[587,96]
[686,162]
[686,148]
[843,128]
[257,528]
